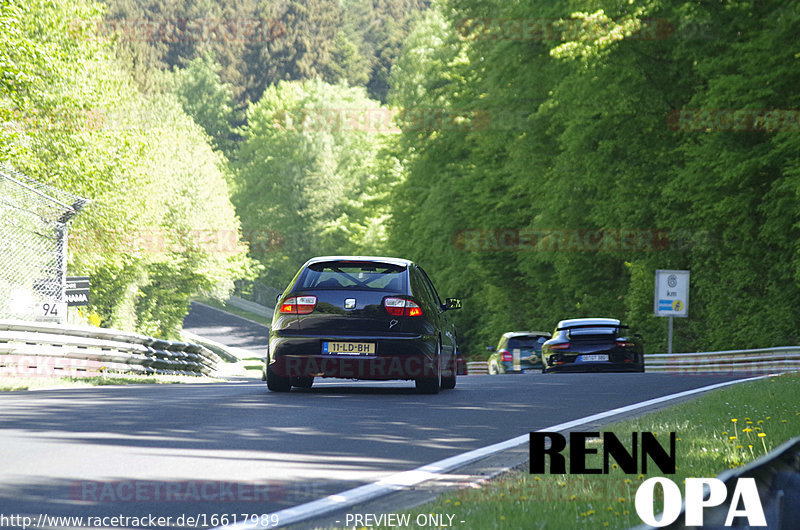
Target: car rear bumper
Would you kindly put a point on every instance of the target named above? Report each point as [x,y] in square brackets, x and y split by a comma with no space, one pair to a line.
[508,366]
[618,362]
[395,358]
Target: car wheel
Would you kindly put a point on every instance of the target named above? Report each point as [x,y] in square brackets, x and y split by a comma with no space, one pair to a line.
[303,382]
[431,385]
[277,383]
[492,369]
[449,382]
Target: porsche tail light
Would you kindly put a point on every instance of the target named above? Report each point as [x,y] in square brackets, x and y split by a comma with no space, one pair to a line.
[621,343]
[505,355]
[298,305]
[559,346]
[401,307]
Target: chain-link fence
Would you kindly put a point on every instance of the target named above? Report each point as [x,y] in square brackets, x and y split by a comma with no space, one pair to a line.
[33,247]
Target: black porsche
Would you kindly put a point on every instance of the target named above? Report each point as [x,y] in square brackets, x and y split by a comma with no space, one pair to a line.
[592,344]
[360,317]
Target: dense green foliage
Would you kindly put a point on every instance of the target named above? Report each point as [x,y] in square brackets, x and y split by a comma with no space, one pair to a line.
[602,147]
[552,155]
[310,178]
[161,226]
[261,43]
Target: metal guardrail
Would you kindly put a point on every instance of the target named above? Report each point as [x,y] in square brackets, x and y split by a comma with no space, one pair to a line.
[35,348]
[477,368]
[777,477]
[762,360]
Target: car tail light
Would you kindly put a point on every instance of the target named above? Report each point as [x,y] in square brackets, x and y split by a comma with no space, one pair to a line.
[401,307]
[505,355]
[621,343]
[559,346]
[298,305]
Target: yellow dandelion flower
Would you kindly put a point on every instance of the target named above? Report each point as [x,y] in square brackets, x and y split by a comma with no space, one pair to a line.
[747,429]
[769,417]
[605,524]
[783,421]
[725,433]
[621,499]
[762,434]
[734,420]
[447,501]
[457,503]
[573,497]
[502,517]
[640,477]
[627,481]
[590,512]
[610,509]
[761,421]
[731,437]
[537,479]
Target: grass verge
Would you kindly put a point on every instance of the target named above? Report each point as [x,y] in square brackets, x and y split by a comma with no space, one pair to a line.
[235,310]
[715,432]
[15,383]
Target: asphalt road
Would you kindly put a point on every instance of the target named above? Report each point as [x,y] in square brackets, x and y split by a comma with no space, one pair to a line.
[226,328]
[237,448]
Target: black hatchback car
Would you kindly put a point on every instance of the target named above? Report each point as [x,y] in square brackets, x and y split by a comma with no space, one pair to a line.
[362,318]
[593,344]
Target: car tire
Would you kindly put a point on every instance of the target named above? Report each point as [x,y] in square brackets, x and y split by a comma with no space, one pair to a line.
[449,382]
[492,369]
[277,383]
[303,382]
[431,385]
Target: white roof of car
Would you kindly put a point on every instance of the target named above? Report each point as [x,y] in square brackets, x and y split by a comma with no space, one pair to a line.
[511,334]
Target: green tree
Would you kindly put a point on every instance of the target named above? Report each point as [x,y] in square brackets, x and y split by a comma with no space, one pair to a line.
[159,192]
[309,179]
[208,101]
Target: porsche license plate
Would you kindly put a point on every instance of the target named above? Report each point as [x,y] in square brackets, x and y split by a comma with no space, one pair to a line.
[348,348]
[594,358]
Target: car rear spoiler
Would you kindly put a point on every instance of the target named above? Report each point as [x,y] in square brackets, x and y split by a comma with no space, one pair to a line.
[619,326]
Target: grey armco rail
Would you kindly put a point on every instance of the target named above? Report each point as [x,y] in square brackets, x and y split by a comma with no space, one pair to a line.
[33,348]
[762,360]
[777,476]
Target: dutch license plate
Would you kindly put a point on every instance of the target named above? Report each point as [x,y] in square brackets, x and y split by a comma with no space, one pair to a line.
[594,358]
[348,348]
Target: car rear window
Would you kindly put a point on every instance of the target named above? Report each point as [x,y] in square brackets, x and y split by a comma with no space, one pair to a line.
[529,343]
[349,275]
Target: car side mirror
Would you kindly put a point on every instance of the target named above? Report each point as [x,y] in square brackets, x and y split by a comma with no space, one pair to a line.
[452,303]
[490,348]
[278,297]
